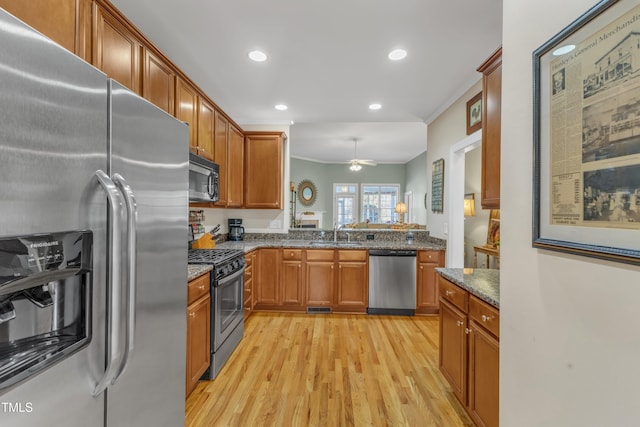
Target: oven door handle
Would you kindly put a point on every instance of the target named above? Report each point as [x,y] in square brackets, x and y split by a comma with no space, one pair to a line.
[132,222]
[113,286]
[230,278]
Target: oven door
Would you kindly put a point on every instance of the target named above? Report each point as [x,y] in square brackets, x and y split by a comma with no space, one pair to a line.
[228,307]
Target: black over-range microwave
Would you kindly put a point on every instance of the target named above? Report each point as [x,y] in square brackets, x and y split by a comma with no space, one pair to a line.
[204,179]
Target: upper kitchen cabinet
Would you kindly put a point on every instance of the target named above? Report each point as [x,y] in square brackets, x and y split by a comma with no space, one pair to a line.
[116,49]
[64,21]
[158,81]
[204,142]
[221,150]
[187,109]
[263,170]
[491,71]
[235,168]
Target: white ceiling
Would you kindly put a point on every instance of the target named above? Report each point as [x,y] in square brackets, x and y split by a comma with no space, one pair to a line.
[327,60]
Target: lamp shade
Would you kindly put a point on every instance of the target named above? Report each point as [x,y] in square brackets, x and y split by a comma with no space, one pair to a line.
[469,205]
[401,208]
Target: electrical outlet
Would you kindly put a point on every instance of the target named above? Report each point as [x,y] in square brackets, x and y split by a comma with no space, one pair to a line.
[370,236]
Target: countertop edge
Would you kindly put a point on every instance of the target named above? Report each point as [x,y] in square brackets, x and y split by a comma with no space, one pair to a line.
[482,282]
[196,270]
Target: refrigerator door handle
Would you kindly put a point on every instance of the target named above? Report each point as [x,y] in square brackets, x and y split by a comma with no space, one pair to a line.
[114,285]
[132,221]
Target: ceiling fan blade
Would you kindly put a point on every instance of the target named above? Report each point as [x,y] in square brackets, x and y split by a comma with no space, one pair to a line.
[367,162]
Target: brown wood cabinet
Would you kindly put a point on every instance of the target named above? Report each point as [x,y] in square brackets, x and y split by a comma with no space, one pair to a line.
[470,351]
[427,295]
[198,330]
[221,150]
[263,170]
[186,108]
[292,282]
[352,293]
[204,145]
[63,21]
[248,284]
[267,279]
[320,278]
[235,168]
[158,81]
[491,71]
[116,49]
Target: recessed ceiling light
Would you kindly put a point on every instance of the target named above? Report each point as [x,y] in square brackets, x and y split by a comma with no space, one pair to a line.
[257,56]
[375,106]
[397,54]
[281,107]
[562,50]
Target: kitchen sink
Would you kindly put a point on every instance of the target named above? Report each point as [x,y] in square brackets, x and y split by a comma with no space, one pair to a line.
[326,244]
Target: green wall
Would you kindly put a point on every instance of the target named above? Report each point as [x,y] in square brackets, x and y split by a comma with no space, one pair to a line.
[324,175]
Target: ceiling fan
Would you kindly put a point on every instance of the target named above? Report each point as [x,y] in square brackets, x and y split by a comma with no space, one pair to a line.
[356,164]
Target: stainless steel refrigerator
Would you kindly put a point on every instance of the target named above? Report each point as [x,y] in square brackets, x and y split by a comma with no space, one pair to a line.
[80,153]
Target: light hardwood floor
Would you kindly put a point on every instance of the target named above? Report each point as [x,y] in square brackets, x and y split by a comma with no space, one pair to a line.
[330,370]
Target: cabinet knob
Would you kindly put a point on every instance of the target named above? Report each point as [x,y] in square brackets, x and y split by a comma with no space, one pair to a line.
[467,331]
[192,315]
[459,323]
[201,288]
[486,318]
[421,267]
[202,149]
[449,293]
[332,267]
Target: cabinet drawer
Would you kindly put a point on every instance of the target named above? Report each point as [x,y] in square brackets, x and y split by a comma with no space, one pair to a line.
[198,287]
[430,256]
[454,294]
[292,254]
[248,259]
[248,273]
[319,254]
[485,315]
[352,255]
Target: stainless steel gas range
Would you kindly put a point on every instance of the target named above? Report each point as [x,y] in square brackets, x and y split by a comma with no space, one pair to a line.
[227,302]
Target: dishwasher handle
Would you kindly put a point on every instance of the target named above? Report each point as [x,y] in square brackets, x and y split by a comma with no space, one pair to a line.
[392,252]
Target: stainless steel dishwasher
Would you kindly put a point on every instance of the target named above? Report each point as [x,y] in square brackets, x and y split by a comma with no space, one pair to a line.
[392,281]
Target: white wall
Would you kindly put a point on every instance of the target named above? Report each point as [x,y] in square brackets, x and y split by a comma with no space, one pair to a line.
[416,183]
[446,130]
[258,220]
[570,325]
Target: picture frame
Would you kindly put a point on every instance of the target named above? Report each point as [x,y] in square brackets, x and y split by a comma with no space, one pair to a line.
[586,162]
[437,186]
[474,114]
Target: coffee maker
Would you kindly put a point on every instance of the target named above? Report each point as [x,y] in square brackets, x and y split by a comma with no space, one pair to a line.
[236,230]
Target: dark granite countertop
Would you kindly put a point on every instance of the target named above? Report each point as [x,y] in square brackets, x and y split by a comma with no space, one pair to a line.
[249,245]
[196,270]
[481,282]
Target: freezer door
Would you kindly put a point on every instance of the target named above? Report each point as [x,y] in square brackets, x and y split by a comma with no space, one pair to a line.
[149,149]
[53,137]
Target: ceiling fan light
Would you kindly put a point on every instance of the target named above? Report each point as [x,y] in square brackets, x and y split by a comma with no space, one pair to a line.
[355,167]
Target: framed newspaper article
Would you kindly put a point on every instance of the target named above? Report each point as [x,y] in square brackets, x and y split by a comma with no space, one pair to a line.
[586,195]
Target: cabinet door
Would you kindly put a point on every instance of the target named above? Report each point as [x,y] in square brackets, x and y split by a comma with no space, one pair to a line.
[187,109]
[484,374]
[319,281]
[221,146]
[263,170]
[205,129]
[353,290]
[292,284]
[55,19]
[116,50]
[158,82]
[491,130]
[235,167]
[453,348]
[267,281]
[198,340]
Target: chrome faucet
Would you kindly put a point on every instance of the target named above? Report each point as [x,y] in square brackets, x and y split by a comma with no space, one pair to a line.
[336,227]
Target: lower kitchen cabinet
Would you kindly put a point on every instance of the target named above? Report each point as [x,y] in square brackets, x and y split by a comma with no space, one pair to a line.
[292,292]
[320,278]
[248,284]
[198,330]
[427,295]
[267,279]
[352,293]
[470,351]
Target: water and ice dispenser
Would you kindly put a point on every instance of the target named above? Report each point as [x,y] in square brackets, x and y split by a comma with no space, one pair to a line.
[45,301]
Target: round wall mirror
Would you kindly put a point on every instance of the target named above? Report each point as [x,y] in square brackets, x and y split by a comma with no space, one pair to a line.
[307,192]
